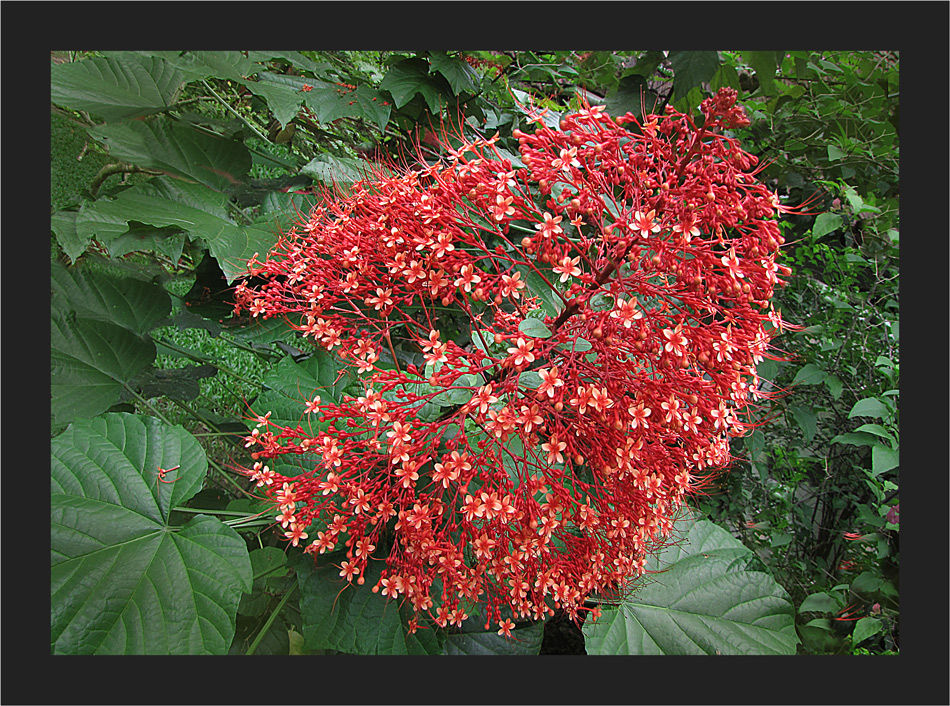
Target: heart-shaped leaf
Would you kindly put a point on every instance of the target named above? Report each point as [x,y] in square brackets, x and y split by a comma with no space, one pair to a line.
[702,601]
[123,580]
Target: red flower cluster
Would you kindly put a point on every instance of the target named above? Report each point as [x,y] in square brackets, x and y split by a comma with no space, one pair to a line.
[579,377]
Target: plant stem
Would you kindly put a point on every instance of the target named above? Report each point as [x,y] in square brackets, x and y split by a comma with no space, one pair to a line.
[236,114]
[270,621]
[147,404]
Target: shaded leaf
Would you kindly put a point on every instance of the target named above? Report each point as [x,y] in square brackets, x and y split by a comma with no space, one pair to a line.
[289,384]
[338,615]
[178,150]
[631,96]
[284,102]
[523,641]
[89,363]
[461,77]
[63,225]
[409,77]
[132,304]
[691,69]
[178,384]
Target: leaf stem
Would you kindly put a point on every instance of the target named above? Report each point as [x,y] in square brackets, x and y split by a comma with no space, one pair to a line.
[270,621]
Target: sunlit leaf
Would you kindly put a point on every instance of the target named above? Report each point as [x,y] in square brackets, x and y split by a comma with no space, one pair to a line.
[123,580]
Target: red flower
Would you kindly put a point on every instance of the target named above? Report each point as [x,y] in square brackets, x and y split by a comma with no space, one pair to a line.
[658,249]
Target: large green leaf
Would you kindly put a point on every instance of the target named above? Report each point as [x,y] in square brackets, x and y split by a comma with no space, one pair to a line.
[349,618]
[90,361]
[123,580]
[116,87]
[702,601]
[178,150]
[132,304]
[191,208]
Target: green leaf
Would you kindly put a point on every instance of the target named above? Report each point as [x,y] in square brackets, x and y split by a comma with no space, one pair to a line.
[826,223]
[809,374]
[703,601]
[178,150]
[866,582]
[373,106]
[231,65]
[89,363]
[120,86]
[883,459]
[631,96]
[349,618]
[877,430]
[548,298]
[290,384]
[123,580]
[806,420]
[869,407]
[835,154]
[692,68]
[534,328]
[329,169]
[523,641]
[855,439]
[408,77]
[63,225]
[284,102]
[132,304]
[461,77]
[529,379]
[865,628]
[835,386]
[191,208]
[764,64]
[292,57]
[819,603]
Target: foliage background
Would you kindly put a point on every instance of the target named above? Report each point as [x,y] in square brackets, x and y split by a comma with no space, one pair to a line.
[793,425]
